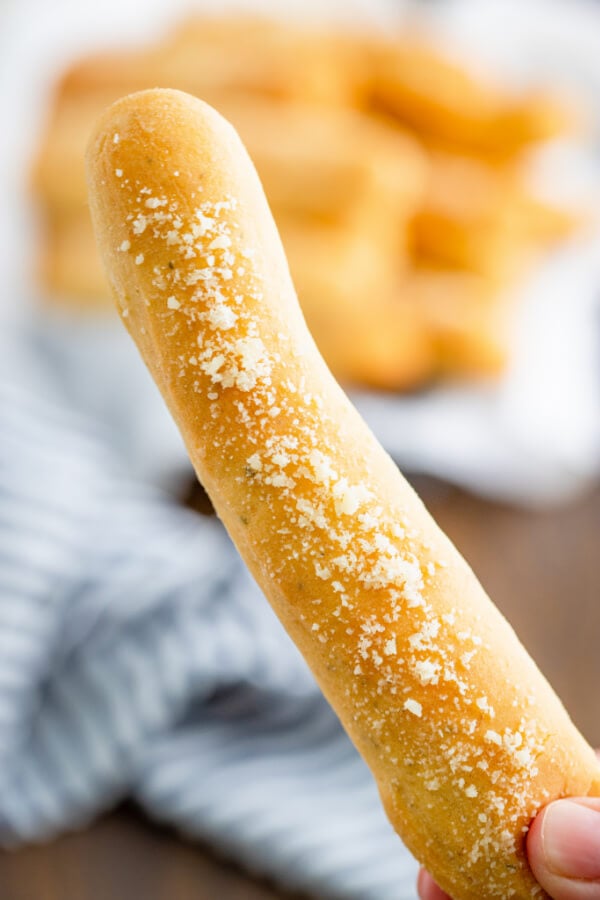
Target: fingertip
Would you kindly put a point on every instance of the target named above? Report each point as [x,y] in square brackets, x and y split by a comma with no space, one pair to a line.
[563,848]
[422,882]
[428,889]
[535,849]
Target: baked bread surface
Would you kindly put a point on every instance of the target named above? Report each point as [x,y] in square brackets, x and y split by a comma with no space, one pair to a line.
[465,738]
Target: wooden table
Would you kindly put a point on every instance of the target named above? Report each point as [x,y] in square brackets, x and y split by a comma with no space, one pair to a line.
[542,569]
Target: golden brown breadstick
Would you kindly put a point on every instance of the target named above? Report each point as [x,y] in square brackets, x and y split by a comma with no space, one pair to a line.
[468,318]
[311,161]
[347,289]
[429,90]
[58,176]
[347,282]
[389,349]
[464,736]
[482,218]
[490,250]
[246,54]
[69,268]
[338,266]
[325,162]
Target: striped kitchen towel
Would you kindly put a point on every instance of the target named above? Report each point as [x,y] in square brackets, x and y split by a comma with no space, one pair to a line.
[137,658]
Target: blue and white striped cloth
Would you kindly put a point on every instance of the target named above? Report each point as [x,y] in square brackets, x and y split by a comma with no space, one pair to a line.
[138,658]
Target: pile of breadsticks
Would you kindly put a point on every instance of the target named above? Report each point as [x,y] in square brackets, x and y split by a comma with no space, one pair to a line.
[394,176]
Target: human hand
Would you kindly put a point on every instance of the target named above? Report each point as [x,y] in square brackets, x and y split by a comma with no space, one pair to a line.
[563,846]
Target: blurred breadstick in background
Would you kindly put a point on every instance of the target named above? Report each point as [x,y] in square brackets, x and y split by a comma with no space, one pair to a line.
[245,55]
[482,218]
[314,161]
[57,176]
[366,330]
[388,348]
[326,162]
[445,102]
[468,320]
[68,265]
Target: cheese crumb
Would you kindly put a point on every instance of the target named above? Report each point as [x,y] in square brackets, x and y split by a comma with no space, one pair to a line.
[484,706]
[524,757]
[321,466]
[413,707]
[139,259]
[173,303]
[348,498]
[427,672]
[390,648]
[125,245]
[221,317]
[255,462]
[139,224]
[222,242]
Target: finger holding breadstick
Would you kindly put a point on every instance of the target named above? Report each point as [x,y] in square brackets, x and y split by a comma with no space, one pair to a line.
[464,736]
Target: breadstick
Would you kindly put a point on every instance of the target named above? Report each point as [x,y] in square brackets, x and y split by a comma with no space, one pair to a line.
[68,267]
[324,162]
[482,217]
[428,89]
[468,318]
[247,54]
[347,282]
[312,161]
[465,738]
[340,265]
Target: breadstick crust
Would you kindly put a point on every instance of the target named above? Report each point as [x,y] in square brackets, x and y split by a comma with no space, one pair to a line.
[465,738]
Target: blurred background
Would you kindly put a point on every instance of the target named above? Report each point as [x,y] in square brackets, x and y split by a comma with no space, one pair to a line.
[434,170]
